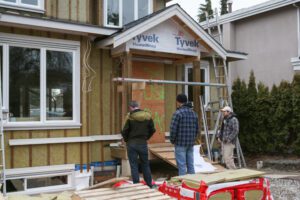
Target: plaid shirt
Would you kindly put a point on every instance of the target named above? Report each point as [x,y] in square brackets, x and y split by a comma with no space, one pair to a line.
[184,126]
[229,129]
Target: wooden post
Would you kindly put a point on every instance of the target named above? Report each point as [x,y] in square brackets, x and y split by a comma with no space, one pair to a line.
[197,93]
[196,89]
[126,87]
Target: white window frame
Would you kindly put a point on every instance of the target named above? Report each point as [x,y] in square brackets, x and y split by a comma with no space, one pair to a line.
[42,172]
[150,10]
[43,44]
[26,7]
[204,65]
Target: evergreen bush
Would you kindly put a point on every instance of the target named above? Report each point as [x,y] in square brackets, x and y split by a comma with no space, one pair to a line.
[269,120]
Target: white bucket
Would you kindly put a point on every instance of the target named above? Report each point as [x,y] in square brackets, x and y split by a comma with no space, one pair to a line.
[259,164]
[82,180]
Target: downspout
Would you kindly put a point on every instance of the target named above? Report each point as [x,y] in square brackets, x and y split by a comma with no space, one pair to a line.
[297,5]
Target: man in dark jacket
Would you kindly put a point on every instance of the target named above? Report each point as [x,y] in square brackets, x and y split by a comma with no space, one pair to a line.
[183,131]
[228,135]
[138,128]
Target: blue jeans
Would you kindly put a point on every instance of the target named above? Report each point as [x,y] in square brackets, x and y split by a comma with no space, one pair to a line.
[135,153]
[185,159]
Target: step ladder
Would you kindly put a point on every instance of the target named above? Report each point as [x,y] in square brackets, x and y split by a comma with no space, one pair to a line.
[224,97]
[3,114]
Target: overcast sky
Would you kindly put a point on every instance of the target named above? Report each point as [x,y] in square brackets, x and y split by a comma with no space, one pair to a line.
[191,6]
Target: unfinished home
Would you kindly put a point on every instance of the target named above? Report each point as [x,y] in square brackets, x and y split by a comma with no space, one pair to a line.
[66,70]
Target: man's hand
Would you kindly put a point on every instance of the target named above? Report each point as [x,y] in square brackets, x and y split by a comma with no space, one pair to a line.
[123,142]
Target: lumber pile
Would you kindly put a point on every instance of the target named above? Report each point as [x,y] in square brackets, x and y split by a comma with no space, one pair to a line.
[127,192]
[220,177]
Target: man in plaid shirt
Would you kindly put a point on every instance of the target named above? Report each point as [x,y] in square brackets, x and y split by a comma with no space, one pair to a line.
[183,131]
[228,136]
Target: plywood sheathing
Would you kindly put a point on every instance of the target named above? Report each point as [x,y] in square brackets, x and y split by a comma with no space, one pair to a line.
[170,94]
[129,192]
[152,98]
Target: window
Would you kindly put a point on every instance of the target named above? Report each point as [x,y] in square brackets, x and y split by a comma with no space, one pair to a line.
[30,5]
[40,91]
[121,12]
[204,78]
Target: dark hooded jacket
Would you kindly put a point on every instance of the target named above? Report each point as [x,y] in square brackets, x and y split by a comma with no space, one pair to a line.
[138,128]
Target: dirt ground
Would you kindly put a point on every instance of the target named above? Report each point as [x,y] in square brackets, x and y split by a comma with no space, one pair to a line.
[283,176]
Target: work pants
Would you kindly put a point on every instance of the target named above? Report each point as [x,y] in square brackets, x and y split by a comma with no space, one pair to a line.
[135,153]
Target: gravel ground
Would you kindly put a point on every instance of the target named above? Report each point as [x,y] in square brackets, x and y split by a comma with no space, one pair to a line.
[285,189]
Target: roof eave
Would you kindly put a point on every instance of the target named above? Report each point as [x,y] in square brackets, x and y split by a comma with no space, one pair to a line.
[232,57]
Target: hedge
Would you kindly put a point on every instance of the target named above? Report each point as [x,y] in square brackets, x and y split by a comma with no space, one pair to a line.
[269,120]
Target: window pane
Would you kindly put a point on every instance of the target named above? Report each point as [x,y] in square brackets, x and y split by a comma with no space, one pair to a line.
[128,11]
[113,12]
[59,103]
[143,8]
[30,2]
[15,185]
[47,181]
[24,84]
[12,1]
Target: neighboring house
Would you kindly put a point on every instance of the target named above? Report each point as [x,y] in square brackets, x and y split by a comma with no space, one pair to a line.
[269,33]
[58,60]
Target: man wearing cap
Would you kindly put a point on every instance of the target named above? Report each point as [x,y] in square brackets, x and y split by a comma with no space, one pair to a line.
[138,128]
[183,131]
[228,135]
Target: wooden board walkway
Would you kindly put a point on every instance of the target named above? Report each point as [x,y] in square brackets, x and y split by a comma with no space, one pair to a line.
[166,152]
[128,192]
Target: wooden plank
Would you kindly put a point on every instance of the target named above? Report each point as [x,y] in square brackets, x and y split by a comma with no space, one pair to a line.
[109,182]
[153,196]
[128,192]
[167,155]
[153,145]
[169,159]
[133,192]
[163,149]
[106,189]
[113,191]
[157,54]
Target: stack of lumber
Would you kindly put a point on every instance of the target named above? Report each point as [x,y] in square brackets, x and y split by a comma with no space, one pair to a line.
[193,180]
[127,192]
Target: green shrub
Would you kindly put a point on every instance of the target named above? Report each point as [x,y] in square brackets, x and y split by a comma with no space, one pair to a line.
[269,120]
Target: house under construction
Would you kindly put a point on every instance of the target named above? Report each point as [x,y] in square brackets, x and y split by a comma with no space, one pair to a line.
[69,69]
